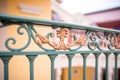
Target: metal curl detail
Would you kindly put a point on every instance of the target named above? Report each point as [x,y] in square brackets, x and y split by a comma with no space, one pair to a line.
[32,29]
[116,42]
[14,40]
[92,45]
[61,34]
[103,41]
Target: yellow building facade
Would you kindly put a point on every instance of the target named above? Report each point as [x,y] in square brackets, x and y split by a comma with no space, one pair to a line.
[19,65]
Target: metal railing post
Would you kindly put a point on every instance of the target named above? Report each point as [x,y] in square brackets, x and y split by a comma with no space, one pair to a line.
[116,64]
[107,67]
[6,60]
[31,60]
[96,64]
[84,65]
[52,59]
[70,56]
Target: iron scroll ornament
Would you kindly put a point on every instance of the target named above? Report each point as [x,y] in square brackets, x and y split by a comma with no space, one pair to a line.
[103,40]
[94,40]
[62,33]
[21,26]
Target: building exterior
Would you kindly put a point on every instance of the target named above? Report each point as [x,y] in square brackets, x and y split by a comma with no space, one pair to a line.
[19,65]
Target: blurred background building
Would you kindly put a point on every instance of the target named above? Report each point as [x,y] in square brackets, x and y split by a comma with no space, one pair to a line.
[98,13]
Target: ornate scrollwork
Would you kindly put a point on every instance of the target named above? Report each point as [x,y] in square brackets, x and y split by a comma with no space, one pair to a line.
[117,41]
[62,34]
[21,26]
[100,40]
[66,40]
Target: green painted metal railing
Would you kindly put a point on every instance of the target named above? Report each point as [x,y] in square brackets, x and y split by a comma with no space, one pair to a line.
[94,41]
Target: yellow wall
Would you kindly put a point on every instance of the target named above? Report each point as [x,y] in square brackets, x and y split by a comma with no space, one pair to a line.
[19,65]
[90,75]
[43,4]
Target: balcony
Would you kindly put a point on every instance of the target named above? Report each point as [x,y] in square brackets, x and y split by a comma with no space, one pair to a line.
[61,40]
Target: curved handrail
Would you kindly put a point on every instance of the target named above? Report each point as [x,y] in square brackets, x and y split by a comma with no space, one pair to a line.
[38,21]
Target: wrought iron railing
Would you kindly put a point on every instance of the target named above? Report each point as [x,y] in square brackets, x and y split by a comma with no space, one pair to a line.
[91,40]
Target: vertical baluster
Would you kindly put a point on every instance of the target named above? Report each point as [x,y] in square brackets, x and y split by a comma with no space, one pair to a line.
[70,66]
[6,60]
[31,60]
[84,65]
[107,61]
[116,71]
[96,64]
[52,58]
